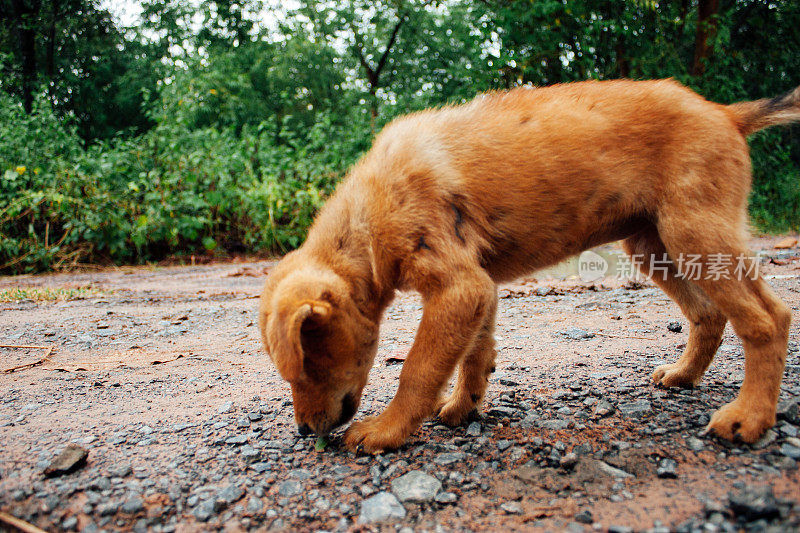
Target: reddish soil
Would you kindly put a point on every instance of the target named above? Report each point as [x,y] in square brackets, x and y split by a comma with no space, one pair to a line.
[161,376]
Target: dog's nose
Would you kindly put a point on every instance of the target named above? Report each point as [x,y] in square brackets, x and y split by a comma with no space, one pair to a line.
[303,429]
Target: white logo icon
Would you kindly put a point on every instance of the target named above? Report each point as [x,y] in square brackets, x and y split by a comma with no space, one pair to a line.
[591,266]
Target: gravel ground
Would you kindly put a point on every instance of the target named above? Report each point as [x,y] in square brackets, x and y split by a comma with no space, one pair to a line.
[160,376]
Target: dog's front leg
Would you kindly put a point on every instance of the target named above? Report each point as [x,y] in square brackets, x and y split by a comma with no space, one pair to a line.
[452,317]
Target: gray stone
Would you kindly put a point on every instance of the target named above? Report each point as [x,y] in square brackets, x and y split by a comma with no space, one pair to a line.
[767,439]
[254,505]
[694,444]
[584,517]
[577,334]
[290,488]
[226,407]
[236,440]
[474,429]
[446,497]
[667,469]
[754,503]
[416,486]
[204,510]
[230,494]
[613,471]
[512,507]
[382,506]
[69,460]
[132,504]
[603,408]
[635,409]
[675,327]
[790,451]
[553,425]
[449,458]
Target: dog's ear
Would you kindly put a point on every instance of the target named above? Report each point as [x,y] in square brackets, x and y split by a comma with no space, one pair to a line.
[308,317]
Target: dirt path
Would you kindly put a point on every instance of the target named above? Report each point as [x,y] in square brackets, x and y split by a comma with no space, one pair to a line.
[159,373]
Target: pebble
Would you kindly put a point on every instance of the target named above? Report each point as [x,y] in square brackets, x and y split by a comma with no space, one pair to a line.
[635,409]
[446,497]
[603,408]
[790,451]
[675,327]
[577,334]
[667,469]
[416,486]
[226,407]
[753,503]
[474,429]
[584,517]
[290,488]
[132,504]
[382,506]
[230,494]
[512,507]
[69,460]
[449,458]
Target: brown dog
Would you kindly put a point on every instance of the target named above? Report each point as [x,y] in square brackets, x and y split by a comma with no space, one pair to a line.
[450,202]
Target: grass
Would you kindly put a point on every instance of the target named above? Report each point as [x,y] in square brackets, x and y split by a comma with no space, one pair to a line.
[48,294]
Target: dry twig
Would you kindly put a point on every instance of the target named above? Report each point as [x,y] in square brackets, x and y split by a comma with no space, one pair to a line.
[29,365]
[18,525]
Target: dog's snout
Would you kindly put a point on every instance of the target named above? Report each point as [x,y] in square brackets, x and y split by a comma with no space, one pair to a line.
[304,429]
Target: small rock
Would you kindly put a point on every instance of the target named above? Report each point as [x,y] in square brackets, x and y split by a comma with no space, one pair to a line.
[553,425]
[449,458]
[754,503]
[382,506]
[675,327]
[569,460]
[69,460]
[226,407]
[204,511]
[694,444]
[667,469]
[768,438]
[133,504]
[474,429]
[790,451]
[230,494]
[416,486]
[577,334]
[584,517]
[604,408]
[254,505]
[635,409]
[512,507]
[290,488]
[446,497]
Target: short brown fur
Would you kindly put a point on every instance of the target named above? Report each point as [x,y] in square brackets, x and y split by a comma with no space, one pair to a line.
[450,202]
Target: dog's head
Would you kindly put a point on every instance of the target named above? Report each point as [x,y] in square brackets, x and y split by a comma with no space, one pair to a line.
[319,340]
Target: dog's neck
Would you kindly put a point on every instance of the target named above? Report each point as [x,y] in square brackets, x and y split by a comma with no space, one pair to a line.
[344,240]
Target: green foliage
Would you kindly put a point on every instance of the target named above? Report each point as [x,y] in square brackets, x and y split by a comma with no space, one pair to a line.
[198,131]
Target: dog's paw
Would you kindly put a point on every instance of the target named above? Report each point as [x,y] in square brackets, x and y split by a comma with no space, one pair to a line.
[373,435]
[456,410]
[740,421]
[674,375]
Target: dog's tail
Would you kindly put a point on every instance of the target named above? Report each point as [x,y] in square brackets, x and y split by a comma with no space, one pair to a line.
[759,114]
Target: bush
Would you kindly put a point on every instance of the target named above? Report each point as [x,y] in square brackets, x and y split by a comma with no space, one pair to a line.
[169,191]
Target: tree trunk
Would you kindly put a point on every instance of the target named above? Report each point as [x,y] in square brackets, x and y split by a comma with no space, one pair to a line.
[50,54]
[25,12]
[706,29]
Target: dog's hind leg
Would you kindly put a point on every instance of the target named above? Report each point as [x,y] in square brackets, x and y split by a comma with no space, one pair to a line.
[706,322]
[473,375]
[730,279]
